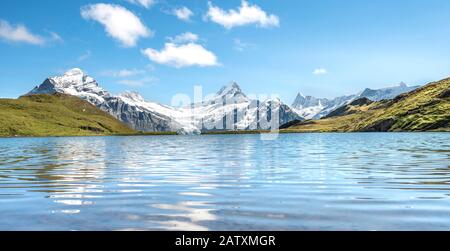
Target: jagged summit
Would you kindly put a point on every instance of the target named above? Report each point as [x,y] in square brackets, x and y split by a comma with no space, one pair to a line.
[73,82]
[231,93]
[132,95]
[76,77]
[403,84]
[300,100]
[231,89]
[301,96]
[307,101]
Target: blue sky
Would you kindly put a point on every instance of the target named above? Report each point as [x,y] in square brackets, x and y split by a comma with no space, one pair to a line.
[324,48]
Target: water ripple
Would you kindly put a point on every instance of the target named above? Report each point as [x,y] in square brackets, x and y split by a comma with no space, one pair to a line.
[392,181]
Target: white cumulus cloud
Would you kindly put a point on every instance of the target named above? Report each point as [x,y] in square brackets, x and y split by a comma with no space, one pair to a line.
[245,15]
[184,38]
[131,77]
[183,13]
[138,82]
[119,23]
[20,34]
[320,71]
[144,3]
[182,54]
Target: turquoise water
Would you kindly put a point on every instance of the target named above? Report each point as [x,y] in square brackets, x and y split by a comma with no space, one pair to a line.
[391,181]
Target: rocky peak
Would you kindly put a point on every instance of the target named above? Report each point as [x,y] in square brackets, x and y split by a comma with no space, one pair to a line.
[230,89]
[367,92]
[299,100]
[73,82]
[307,101]
[133,96]
[230,94]
[74,77]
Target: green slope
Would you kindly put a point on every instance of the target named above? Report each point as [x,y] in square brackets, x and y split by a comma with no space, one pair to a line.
[425,109]
[56,115]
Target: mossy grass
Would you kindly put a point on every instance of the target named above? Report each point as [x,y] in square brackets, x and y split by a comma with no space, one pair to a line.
[56,115]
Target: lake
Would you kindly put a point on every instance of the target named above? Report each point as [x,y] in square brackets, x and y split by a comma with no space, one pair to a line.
[360,181]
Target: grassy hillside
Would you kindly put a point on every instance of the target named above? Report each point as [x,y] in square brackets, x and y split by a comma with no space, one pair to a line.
[56,115]
[425,109]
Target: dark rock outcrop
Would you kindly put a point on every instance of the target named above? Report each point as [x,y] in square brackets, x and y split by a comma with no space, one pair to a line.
[380,126]
[445,94]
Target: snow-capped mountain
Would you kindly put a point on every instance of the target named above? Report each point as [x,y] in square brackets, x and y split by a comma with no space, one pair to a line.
[74,82]
[315,108]
[309,106]
[128,107]
[386,93]
[229,109]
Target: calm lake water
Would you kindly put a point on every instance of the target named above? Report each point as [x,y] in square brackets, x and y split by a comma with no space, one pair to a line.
[391,181]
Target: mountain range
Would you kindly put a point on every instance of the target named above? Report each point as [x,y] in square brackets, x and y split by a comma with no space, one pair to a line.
[75,104]
[229,109]
[310,107]
[426,108]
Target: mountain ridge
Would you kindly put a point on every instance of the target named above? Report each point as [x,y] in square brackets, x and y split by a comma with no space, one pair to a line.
[311,107]
[426,108]
[230,109]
